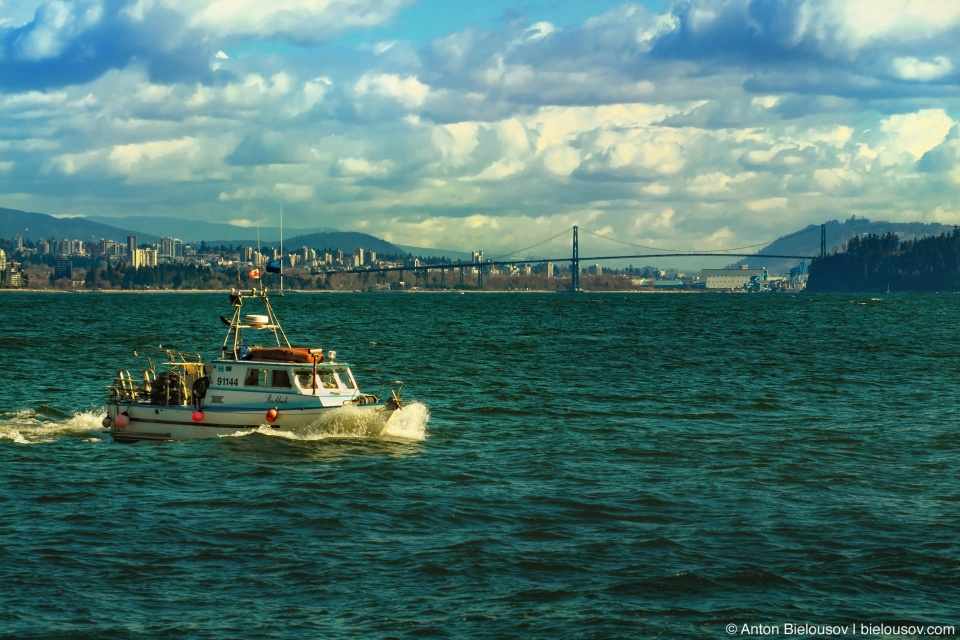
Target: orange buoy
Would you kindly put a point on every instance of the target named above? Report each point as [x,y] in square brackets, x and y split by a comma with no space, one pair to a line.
[272,414]
[255,273]
[197,416]
[122,420]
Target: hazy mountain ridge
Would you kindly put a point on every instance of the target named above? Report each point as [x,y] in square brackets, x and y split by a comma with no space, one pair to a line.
[346,241]
[33,226]
[190,231]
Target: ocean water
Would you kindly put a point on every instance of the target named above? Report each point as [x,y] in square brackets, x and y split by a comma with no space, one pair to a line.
[568,466]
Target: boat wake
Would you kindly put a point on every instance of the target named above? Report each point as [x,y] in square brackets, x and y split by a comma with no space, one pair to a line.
[351,422]
[44,424]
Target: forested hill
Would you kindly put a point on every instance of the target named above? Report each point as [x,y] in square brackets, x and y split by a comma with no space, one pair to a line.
[882,262]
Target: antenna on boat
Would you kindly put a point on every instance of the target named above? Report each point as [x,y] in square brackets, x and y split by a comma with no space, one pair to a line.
[281,248]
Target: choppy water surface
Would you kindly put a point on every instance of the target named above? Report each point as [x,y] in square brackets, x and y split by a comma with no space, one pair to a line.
[595,466]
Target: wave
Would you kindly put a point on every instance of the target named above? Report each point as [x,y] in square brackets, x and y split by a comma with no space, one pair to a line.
[45,424]
[351,422]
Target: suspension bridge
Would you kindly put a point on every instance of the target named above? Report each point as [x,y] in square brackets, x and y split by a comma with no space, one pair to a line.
[421,270]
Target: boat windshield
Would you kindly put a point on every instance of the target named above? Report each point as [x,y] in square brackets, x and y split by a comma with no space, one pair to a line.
[340,379]
[346,380]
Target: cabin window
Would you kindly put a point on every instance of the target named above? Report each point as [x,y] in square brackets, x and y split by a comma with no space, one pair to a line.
[280,378]
[267,378]
[345,380]
[305,379]
[327,381]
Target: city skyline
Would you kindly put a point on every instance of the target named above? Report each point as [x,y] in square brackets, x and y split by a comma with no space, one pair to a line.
[701,124]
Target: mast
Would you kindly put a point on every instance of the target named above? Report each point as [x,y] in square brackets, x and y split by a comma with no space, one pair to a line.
[281,248]
[259,255]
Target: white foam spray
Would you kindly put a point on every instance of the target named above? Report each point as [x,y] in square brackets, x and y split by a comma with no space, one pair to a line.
[410,423]
[28,427]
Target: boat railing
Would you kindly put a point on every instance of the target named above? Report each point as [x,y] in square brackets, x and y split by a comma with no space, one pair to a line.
[395,392]
[168,389]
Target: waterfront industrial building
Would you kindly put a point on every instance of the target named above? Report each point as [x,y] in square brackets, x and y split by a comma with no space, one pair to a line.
[730,278]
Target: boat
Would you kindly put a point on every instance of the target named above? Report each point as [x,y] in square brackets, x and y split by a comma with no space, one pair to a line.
[250,386]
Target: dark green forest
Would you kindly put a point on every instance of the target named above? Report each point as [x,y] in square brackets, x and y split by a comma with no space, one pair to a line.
[885,262]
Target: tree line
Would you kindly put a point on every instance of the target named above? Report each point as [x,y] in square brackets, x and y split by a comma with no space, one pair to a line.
[885,262]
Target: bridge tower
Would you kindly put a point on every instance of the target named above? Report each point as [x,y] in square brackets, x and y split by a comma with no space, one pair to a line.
[575,263]
[823,241]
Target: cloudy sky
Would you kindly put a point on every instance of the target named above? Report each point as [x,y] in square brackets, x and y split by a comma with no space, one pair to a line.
[684,124]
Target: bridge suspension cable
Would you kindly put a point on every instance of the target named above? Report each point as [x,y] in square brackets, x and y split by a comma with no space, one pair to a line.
[534,246]
[717,251]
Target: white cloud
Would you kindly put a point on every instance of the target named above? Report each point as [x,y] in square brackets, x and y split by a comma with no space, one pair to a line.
[408,91]
[299,20]
[363,168]
[858,23]
[294,192]
[916,133]
[561,160]
[910,68]
[767,204]
[657,189]
[765,102]
[497,171]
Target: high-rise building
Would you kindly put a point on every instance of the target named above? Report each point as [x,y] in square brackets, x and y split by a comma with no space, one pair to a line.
[43,247]
[18,243]
[63,268]
[359,255]
[549,271]
[166,247]
[3,260]
[12,275]
[177,249]
[477,256]
[131,245]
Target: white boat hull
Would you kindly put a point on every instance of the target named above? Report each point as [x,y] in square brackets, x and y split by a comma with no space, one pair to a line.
[156,423]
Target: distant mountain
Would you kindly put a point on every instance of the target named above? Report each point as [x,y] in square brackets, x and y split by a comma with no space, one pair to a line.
[346,241]
[422,252]
[33,226]
[190,231]
[806,242]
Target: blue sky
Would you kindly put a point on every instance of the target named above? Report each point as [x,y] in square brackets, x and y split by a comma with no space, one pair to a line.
[691,123]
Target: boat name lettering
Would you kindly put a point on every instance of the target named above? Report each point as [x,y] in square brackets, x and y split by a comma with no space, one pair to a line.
[277,399]
[228,382]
